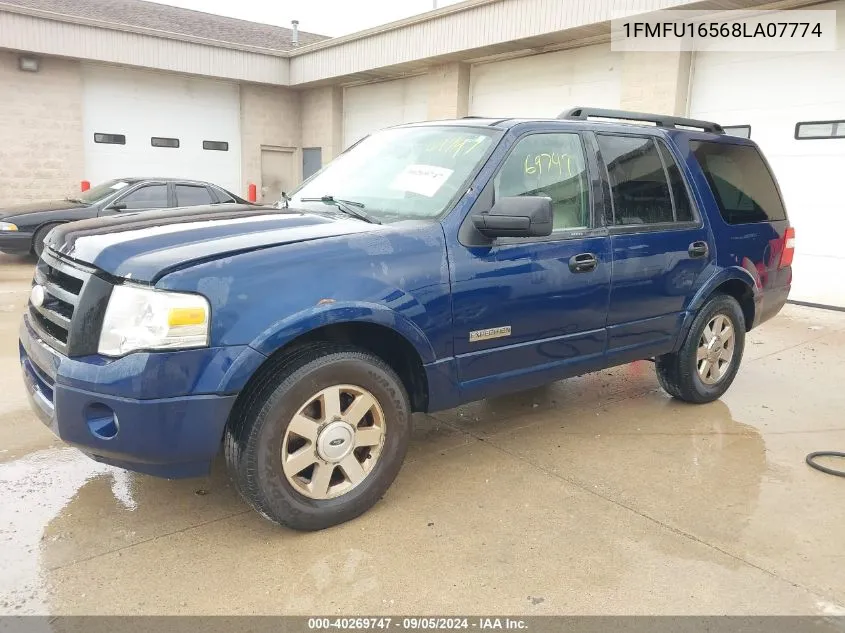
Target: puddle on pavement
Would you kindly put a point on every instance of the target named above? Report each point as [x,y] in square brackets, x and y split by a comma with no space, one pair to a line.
[33,491]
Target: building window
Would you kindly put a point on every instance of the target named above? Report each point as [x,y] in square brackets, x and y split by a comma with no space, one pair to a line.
[111,139]
[819,129]
[312,161]
[158,141]
[218,146]
[742,131]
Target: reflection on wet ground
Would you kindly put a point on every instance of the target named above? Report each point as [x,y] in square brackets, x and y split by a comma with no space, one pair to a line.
[594,495]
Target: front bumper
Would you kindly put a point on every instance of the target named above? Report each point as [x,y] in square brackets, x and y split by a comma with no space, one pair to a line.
[15,243]
[157,413]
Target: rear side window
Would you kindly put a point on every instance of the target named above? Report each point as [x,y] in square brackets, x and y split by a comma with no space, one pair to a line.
[645,182]
[190,195]
[741,183]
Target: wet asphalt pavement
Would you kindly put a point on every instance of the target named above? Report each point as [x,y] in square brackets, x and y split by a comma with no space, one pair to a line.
[594,495]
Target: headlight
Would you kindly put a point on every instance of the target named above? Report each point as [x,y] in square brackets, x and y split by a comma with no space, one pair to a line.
[143,318]
[7,226]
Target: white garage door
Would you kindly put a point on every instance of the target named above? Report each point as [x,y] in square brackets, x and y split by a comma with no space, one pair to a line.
[545,85]
[772,93]
[125,109]
[371,107]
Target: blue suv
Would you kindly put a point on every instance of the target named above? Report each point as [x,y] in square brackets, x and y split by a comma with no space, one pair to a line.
[429,265]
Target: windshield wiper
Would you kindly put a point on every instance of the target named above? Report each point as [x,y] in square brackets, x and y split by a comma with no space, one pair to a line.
[77,200]
[349,207]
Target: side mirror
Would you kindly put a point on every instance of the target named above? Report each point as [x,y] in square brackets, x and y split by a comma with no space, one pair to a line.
[523,216]
[120,206]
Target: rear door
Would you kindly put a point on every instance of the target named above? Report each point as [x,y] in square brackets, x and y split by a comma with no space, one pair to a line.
[662,251]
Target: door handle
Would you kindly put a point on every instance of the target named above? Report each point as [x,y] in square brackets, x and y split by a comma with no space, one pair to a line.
[698,249]
[583,263]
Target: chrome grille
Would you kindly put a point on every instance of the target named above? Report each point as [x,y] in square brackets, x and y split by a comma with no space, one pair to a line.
[63,284]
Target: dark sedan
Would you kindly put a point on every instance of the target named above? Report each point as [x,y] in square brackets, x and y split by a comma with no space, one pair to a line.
[24,227]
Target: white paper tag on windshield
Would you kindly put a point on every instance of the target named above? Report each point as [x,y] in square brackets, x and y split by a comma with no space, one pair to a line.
[119,185]
[424,180]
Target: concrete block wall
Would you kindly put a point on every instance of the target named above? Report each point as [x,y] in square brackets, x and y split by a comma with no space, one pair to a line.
[322,120]
[448,92]
[656,82]
[270,117]
[41,154]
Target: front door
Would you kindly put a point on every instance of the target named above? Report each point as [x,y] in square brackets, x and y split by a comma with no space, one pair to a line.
[661,247]
[531,310]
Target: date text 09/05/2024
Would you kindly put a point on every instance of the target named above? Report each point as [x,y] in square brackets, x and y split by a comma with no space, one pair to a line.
[722,29]
[417,624]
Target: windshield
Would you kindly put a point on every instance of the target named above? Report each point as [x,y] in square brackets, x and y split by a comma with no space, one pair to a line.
[95,194]
[401,174]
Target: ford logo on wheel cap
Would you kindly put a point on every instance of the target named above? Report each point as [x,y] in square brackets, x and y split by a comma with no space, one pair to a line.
[336,442]
[36,296]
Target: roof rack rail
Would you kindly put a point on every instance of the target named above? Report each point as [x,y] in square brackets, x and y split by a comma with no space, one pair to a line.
[661,120]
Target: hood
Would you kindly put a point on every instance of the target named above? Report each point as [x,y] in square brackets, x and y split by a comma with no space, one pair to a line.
[35,207]
[145,246]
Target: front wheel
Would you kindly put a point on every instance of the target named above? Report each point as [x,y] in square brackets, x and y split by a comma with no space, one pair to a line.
[39,237]
[322,440]
[707,363]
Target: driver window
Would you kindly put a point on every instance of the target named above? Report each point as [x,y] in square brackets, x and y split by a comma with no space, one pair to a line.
[149,197]
[551,165]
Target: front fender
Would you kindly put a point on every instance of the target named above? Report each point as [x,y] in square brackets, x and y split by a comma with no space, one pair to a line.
[285,330]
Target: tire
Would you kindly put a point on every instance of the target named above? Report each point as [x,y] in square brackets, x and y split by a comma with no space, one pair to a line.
[263,437]
[39,237]
[680,374]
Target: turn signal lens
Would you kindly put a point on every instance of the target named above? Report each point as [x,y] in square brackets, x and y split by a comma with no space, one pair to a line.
[186,316]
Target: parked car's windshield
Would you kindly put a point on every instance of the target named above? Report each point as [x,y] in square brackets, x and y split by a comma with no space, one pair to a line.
[403,173]
[95,194]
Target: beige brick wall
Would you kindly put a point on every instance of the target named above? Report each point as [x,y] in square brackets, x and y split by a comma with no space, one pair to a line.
[322,120]
[656,82]
[270,117]
[448,96]
[40,129]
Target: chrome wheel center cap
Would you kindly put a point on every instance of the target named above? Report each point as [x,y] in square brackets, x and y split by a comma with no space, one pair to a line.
[335,441]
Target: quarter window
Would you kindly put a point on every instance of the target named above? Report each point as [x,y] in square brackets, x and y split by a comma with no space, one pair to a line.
[551,165]
[191,195]
[639,183]
[740,181]
[223,196]
[148,197]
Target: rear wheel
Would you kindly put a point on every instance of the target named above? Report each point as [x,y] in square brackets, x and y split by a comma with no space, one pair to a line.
[322,439]
[39,237]
[707,363]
